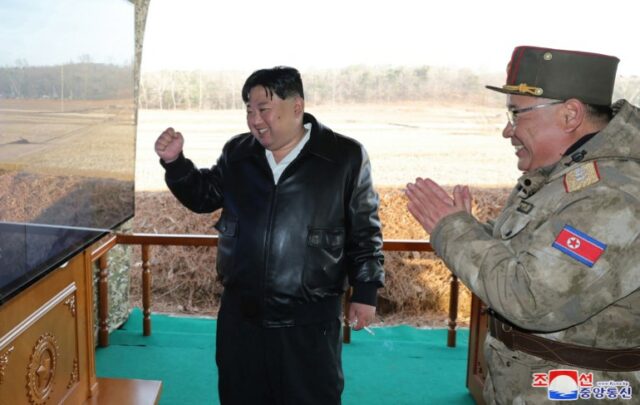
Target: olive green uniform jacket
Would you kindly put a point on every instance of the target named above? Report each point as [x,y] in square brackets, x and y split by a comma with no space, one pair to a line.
[516,266]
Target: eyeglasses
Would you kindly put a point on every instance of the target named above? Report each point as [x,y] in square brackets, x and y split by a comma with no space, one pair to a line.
[512,115]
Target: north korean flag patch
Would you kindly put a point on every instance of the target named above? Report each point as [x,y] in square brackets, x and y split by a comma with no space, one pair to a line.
[579,245]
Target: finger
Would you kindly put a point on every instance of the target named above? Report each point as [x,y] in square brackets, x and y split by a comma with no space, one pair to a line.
[431,191]
[366,315]
[366,318]
[414,194]
[466,195]
[462,198]
[421,207]
[358,322]
[163,140]
[169,131]
[422,217]
[419,193]
[352,318]
[418,205]
[160,145]
[439,192]
[170,134]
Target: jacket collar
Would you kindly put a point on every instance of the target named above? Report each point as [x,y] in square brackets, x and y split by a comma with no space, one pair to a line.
[247,146]
[618,140]
[322,142]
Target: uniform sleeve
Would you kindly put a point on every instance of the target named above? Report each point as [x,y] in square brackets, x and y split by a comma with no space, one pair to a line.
[541,287]
[200,190]
[364,235]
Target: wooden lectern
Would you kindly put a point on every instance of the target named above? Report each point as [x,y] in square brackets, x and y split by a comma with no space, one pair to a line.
[47,347]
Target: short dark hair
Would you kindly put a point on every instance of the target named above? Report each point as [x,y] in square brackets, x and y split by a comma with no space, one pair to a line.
[283,80]
[602,113]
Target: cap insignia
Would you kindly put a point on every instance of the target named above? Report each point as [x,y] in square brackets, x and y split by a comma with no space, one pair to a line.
[524,88]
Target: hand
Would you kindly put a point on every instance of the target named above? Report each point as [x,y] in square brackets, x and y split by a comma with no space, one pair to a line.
[169,145]
[429,203]
[361,315]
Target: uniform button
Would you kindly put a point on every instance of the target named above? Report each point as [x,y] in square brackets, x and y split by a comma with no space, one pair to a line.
[527,182]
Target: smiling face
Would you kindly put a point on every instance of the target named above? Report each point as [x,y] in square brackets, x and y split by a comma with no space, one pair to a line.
[539,136]
[274,122]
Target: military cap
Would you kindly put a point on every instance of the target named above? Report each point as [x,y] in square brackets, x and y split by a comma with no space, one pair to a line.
[561,75]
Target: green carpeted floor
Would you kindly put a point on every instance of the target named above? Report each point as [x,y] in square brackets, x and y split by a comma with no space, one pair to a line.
[400,365]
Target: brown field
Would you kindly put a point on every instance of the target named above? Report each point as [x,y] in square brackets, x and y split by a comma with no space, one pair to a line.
[66,162]
[452,144]
[93,138]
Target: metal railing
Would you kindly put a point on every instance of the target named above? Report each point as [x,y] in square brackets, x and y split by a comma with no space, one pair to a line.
[145,241]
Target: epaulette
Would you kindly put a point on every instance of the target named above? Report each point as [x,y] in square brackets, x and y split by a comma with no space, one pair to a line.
[581,176]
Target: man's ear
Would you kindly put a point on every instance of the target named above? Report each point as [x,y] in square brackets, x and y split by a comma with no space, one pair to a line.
[298,106]
[575,113]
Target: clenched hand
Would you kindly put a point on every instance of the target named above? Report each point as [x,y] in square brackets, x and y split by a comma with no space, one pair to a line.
[169,145]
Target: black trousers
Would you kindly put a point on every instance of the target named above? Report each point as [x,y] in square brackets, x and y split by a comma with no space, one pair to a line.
[298,365]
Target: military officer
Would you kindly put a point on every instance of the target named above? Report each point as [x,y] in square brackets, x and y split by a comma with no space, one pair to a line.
[560,266]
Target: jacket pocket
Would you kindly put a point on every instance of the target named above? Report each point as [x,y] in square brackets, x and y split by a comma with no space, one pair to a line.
[513,225]
[324,264]
[227,241]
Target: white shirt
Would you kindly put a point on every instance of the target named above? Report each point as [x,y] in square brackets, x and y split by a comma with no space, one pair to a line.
[278,168]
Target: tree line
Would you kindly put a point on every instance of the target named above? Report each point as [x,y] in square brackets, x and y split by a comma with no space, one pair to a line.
[203,90]
[196,89]
[83,81]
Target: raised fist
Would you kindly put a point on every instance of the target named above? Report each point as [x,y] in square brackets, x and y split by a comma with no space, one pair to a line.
[169,145]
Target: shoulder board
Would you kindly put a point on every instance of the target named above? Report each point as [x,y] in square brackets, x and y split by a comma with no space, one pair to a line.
[581,176]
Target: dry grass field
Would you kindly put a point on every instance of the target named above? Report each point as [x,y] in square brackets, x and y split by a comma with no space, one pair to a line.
[66,162]
[452,144]
[92,138]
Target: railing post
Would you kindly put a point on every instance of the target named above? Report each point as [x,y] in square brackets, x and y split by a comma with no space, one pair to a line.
[103,301]
[146,291]
[453,311]
[147,240]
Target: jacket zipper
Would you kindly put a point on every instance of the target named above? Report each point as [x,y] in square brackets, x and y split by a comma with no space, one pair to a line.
[267,239]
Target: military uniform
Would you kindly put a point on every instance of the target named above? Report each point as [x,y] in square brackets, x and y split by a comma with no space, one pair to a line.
[560,266]
[530,266]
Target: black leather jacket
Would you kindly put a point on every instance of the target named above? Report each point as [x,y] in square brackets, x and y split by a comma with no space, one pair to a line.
[286,250]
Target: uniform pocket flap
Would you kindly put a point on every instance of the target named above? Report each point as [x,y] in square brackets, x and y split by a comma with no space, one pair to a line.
[514,225]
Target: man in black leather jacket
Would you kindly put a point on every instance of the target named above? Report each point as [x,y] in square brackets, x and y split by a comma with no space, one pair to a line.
[299,224]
